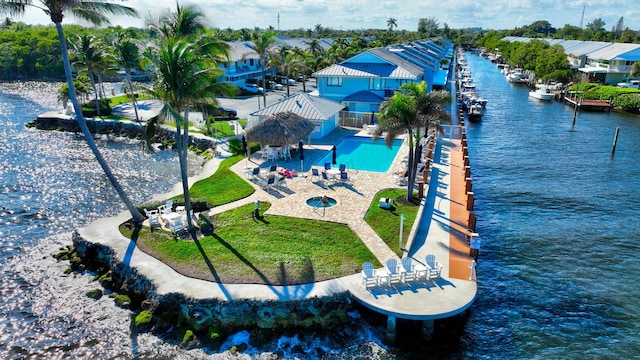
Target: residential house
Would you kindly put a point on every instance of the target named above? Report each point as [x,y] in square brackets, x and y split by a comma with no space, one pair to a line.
[363,81]
[603,62]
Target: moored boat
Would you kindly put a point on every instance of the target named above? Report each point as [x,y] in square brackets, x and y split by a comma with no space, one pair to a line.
[541,93]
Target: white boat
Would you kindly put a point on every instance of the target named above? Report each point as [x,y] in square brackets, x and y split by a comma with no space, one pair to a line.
[541,93]
[516,76]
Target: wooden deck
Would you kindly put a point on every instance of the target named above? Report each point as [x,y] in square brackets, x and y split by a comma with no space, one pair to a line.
[588,105]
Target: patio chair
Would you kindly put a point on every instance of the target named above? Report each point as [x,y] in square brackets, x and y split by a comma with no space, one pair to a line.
[154,217]
[255,174]
[392,269]
[344,177]
[325,177]
[282,183]
[327,166]
[343,168]
[167,208]
[315,174]
[369,278]
[267,185]
[435,268]
[408,270]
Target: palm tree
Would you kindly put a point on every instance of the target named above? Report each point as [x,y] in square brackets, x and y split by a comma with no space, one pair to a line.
[391,23]
[95,12]
[88,52]
[186,74]
[127,55]
[263,42]
[408,110]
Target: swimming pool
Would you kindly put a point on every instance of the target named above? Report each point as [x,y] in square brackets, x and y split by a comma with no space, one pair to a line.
[362,153]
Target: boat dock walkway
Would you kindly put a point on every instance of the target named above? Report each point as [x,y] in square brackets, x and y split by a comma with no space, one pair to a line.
[587,104]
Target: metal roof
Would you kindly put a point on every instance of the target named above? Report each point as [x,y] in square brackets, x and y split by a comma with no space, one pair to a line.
[613,51]
[364,96]
[305,106]
[633,55]
[366,70]
[241,49]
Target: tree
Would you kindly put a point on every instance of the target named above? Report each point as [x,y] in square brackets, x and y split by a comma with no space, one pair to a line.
[89,52]
[635,69]
[408,110]
[596,25]
[263,42]
[186,75]
[617,30]
[391,23]
[427,26]
[95,12]
[127,55]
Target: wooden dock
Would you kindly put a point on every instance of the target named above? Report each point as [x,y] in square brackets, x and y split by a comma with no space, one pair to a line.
[587,104]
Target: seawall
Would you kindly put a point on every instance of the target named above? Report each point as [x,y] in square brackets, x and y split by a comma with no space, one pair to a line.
[130,129]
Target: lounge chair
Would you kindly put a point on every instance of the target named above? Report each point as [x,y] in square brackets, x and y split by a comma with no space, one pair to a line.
[167,208]
[327,166]
[273,168]
[282,183]
[325,177]
[267,185]
[435,268]
[408,270]
[344,177]
[315,174]
[394,273]
[343,168]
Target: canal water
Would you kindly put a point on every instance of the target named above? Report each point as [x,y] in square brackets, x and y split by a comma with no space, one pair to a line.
[556,212]
[558,215]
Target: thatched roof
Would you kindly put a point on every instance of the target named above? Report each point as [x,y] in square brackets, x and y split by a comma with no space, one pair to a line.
[280,129]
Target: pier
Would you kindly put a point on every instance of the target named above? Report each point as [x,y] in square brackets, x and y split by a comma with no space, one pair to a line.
[587,104]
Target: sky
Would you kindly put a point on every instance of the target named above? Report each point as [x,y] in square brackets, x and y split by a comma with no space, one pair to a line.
[373,14]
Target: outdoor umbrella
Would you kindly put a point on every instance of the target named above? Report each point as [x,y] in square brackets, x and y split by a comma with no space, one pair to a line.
[244,145]
[301,156]
[333,155]
[280,129]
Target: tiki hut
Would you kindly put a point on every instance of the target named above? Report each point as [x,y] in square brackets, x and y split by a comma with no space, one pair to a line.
[280,129]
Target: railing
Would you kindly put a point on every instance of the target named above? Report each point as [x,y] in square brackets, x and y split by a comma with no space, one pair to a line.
[357,118]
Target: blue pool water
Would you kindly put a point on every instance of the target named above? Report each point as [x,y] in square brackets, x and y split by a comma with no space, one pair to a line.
[362,153]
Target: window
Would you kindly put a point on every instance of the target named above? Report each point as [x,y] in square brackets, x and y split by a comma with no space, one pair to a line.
[334,81]
[376,84]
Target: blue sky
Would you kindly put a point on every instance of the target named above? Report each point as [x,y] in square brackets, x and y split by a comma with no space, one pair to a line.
[365,14]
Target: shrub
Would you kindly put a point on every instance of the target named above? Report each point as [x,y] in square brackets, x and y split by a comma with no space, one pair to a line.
[143,318]
[628,102]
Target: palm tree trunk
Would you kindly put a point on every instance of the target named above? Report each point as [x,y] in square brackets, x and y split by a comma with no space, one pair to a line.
[264,89]
[82,122]
[183,148]
[95,92]
[411,168]
[133,97]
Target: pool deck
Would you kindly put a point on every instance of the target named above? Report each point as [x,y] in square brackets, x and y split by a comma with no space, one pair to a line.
[442,234]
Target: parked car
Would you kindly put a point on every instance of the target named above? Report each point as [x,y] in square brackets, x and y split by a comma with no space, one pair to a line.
[224,112]
[276,86]
[286,80]
[630,84]
[253,88]
[300,78]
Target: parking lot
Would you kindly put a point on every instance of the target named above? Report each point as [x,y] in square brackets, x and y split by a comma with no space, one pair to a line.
[246,106]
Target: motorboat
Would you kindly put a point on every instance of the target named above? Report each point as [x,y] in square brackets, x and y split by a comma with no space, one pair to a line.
[475,113]
[542,93]
[516,76]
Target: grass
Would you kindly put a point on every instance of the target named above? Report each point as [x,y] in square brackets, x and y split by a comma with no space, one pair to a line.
[224,186]
[386,222]
[270,249]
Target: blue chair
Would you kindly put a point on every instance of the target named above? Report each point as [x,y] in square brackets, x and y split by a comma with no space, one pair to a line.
[327,166]
[344,177]
[343,167]
[315,174]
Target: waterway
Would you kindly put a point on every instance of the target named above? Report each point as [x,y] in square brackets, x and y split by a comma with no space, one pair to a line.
[556,213]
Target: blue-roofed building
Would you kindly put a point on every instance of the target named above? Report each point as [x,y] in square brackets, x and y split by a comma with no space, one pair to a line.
[363,81]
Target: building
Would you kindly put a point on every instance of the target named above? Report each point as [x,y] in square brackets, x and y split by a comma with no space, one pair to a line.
[363,81]
[322,112]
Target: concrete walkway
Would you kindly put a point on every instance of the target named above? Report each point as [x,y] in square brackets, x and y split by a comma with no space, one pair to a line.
[442,298]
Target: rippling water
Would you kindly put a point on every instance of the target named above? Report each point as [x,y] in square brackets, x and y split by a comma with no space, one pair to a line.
[556,213]
[558,216]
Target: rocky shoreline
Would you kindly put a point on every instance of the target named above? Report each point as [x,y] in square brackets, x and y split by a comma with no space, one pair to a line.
[203,322]
[130,129]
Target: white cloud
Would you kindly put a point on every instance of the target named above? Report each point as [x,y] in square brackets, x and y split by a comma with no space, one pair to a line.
[365,14]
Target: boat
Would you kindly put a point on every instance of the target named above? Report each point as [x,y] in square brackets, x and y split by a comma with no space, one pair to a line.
[541,93]
[516,76]
[475,113]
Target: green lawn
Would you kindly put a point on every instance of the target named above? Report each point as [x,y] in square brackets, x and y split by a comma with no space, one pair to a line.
[274,250]
[270,249]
